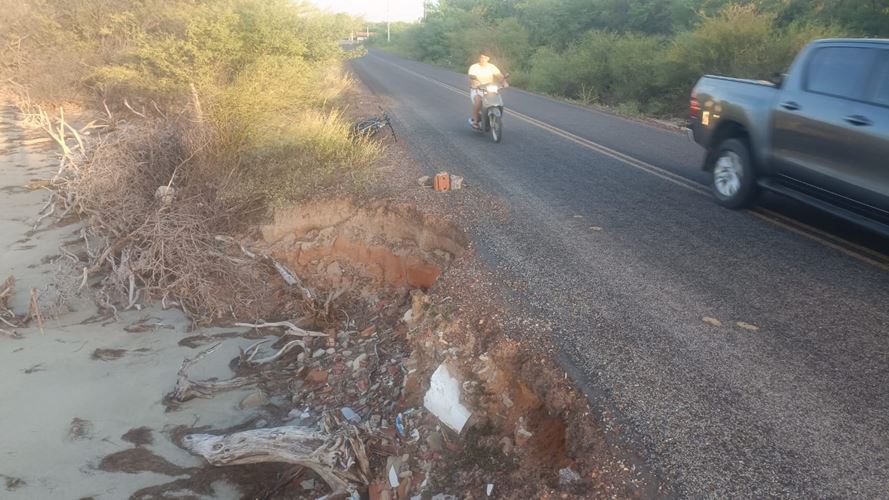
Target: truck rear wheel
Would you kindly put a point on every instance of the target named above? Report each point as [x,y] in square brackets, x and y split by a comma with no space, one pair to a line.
[734,180]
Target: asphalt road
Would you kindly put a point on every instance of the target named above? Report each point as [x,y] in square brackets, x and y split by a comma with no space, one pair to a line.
[613,237]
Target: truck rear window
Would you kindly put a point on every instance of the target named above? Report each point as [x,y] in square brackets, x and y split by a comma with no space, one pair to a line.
[839,71]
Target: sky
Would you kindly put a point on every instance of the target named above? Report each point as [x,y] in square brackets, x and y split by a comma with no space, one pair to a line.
[375,10]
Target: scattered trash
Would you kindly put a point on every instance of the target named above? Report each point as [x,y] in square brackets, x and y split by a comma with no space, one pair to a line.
[747,326]
[443,399]
[350,415]
[392,466]
[711,321]
[308,484]
[399,425]
[456,182]
[425,181]
[489,489]
[165,194]
[415,435]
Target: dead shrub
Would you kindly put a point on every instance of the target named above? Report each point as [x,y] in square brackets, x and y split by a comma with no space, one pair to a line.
[150,202]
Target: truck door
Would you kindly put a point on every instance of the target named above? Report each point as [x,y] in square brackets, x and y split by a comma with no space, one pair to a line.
[869,162]
[813,139]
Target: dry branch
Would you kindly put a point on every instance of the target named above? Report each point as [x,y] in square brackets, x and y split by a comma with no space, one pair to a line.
[332,455]
[292,329]
[34,310]
[187,389]
[287,347]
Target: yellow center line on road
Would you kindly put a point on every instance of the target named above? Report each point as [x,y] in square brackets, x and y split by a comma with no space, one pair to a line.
[854,250]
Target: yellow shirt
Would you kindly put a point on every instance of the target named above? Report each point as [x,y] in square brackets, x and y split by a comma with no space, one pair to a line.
[484,74]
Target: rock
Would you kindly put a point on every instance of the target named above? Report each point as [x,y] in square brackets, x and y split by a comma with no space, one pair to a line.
[522,436]
[308,484]
[319,353]
[331,350]
[253,400]
[317,376]
[362,384]
[356,363]
[568,476]
[506,445]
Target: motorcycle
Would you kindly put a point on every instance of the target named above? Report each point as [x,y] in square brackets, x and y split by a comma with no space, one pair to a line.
[491,115]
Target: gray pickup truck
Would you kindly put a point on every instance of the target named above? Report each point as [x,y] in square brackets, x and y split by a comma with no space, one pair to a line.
[820,135]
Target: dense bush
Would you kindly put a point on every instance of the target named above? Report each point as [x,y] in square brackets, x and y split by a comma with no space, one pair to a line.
[265,72]
[638,55]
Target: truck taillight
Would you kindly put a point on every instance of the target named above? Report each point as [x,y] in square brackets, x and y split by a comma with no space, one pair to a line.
[694,107]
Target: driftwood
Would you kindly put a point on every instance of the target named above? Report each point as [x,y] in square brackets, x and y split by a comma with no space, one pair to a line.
[250,353]
[187,389]
[292,329]
[332,455]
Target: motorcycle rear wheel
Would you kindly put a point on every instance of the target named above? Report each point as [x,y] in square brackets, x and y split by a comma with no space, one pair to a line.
[496,126]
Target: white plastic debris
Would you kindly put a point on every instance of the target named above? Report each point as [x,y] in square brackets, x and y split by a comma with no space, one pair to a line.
[443,399]
[393,477]
[489,489]
[456,182]
[350,415]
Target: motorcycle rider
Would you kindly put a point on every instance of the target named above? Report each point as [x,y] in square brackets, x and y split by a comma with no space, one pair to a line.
[480,74]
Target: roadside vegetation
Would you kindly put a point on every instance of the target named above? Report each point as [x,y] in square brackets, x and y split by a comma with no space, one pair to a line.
[203,115]
[266,74]
[638,56]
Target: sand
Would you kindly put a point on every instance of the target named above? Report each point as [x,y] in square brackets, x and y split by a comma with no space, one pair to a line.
[61,410]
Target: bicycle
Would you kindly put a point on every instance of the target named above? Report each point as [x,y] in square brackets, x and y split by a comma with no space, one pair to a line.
[370,127]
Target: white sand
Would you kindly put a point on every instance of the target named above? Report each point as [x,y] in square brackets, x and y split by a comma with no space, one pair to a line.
[47,379]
